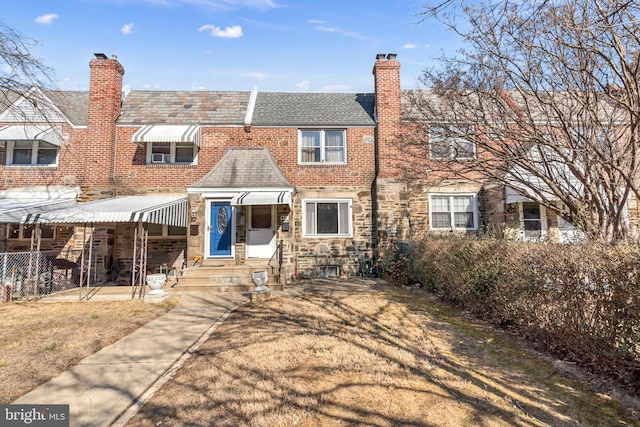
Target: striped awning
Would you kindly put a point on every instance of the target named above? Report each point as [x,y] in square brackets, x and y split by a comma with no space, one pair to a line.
[13,210]
[50,134]
[167,133]
[262,198]
[169,210]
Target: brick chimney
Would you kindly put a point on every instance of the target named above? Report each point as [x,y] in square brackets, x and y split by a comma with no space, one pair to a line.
[386,72]
[105,97]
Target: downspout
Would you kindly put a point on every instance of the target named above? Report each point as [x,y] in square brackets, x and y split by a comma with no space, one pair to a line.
[374,191]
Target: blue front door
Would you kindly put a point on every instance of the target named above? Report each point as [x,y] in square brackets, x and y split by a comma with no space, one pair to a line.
[220,230]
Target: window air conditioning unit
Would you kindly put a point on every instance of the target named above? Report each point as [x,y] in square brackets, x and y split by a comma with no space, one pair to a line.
[159,158]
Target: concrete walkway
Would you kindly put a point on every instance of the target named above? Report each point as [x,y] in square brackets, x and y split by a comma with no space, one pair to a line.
[107,387]
[102,386]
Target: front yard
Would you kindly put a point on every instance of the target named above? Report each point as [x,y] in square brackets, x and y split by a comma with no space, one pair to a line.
[387,358]
[39,341]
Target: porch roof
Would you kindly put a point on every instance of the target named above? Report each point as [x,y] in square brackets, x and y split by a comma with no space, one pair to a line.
[243,168]
[169,210]
[13,210]
[17,202]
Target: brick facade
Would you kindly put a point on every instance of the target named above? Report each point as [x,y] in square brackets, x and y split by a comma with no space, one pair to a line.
[389,199]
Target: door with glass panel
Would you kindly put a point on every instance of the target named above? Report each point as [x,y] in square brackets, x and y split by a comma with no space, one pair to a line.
[261,231]
[219,229]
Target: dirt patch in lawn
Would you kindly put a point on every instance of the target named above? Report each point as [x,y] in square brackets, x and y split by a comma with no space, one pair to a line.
[39,341]
[379,359]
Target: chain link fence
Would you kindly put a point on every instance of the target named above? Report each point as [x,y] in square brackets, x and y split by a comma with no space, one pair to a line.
[32,275]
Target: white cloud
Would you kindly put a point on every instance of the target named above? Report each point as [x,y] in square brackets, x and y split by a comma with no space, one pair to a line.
[127,28]
[232,32]
[409,46]
[304,85]
[46,19]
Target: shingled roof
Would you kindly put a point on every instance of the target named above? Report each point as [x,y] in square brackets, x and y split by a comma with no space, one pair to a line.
[313,109]
[245,167]
[73,104]
[184,107]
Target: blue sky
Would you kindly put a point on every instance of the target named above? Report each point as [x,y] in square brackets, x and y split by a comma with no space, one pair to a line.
[276,45]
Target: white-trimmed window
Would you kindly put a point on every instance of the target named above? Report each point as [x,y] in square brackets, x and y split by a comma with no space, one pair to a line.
[452,142]
[453,212]
[25,231]
[534,224]
[322,146]
[172,152]
[31,153]
[327,217]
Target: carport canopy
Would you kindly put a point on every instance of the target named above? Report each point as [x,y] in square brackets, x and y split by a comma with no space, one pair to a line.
[169,210]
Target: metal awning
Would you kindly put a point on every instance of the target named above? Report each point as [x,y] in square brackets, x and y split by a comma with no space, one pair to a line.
[13,210]
[262,198]
[50,134]
[169,210]
[167,133]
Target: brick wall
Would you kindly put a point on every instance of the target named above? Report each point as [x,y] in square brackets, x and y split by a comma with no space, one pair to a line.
[70,169]
[386,72]
[105,96]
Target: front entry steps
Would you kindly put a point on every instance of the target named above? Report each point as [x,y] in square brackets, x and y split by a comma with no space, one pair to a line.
[225,275]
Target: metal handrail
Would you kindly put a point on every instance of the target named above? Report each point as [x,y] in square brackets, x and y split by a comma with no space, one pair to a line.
[277,256]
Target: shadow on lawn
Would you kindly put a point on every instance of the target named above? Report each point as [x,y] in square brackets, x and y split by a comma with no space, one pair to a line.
[360,353]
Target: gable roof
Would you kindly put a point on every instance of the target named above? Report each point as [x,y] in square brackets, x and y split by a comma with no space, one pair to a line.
[40,105]
[245,167]
[7,98]
[73,104]
[184,107]
[313,109]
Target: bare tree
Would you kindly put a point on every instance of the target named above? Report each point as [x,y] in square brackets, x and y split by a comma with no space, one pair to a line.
[549,93]
[20,71]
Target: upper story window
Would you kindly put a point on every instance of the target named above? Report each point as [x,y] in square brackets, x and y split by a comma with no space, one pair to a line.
[171,152]
[322,146]
[176,144]
[452,142]
[453,212]
[31,153]
[327,217]
[31,145]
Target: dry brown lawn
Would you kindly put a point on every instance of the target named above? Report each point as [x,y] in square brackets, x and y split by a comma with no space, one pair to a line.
[38,341]
[377,359]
